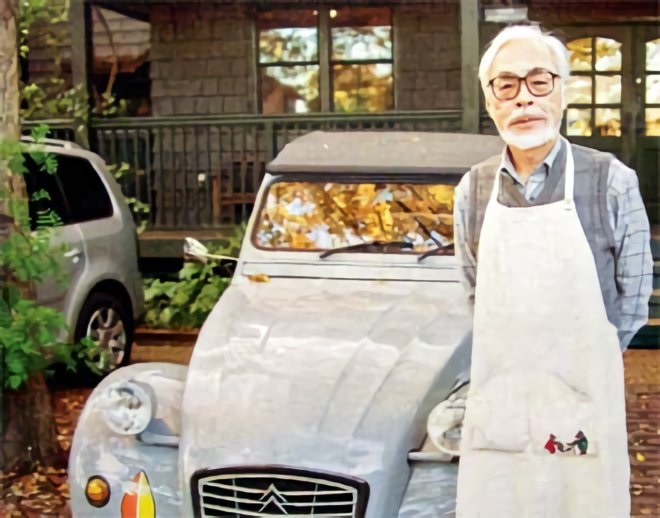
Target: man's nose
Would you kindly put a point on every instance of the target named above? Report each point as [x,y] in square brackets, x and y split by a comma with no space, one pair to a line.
[525,98]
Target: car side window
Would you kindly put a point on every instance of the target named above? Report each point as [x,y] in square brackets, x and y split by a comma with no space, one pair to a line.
[47,205]
[85,192]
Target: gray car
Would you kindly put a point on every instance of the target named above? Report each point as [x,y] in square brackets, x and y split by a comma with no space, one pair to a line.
[328,379]
[103,295]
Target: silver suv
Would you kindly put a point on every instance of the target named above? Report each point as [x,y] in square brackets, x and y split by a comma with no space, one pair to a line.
[103,296]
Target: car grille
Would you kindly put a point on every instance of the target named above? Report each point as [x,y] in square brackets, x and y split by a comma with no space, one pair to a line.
[277,491]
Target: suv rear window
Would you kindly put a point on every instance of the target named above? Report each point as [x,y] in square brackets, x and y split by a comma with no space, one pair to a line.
[47,205]
[76,194]
[85,192]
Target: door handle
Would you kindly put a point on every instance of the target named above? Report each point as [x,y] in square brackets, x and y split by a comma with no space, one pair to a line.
[73,252]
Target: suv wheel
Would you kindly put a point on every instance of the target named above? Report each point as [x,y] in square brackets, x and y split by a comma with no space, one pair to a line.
[107,321]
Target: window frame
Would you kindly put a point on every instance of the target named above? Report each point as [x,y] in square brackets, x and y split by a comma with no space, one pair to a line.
[647,74]
[324,58]
[593,73]
[349,62]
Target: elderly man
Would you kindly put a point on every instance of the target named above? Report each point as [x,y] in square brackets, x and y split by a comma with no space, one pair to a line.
[553,242]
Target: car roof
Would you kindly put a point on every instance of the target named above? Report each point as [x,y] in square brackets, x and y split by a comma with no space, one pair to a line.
[385,152]
[63,147]
[64,144]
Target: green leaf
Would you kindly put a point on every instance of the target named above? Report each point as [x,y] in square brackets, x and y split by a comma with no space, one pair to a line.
[181,298]
[15,381]
[50,164]
[16,164]
[166,315]
[40,132]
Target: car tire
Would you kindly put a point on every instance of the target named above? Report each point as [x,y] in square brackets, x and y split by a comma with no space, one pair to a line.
[107,320]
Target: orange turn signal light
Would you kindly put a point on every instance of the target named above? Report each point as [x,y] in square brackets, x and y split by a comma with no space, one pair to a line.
[97,491]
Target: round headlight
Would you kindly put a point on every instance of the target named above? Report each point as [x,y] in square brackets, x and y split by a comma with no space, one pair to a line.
[445,422]
[97,491]
[128,407]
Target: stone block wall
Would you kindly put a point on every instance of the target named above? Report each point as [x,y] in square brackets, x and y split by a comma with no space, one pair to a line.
[201,59]
[427,57]
[50,43]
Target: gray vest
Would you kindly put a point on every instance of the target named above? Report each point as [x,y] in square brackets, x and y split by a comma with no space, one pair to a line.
[591,172]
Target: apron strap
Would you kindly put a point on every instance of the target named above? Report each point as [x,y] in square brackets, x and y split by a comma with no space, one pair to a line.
[569,176]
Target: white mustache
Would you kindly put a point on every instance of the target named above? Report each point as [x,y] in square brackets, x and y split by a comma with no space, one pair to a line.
[523,112]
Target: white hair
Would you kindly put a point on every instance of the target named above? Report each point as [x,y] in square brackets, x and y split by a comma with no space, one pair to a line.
[525,32]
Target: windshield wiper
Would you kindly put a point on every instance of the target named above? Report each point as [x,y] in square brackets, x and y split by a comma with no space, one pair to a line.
[435,251]
[424,228]
[374,246]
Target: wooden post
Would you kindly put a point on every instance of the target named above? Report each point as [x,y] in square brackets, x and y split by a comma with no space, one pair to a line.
[470,64]
[325,71]
[80,28]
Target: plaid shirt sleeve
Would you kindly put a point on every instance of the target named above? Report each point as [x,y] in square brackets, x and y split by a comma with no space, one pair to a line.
[634,262]
[467,263]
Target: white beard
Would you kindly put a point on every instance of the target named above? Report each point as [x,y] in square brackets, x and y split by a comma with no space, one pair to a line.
[531,140]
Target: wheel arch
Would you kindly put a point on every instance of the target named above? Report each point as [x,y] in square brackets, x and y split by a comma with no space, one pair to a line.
[116,288]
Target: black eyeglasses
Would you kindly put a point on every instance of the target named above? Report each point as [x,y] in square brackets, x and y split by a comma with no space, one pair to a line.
[540,82]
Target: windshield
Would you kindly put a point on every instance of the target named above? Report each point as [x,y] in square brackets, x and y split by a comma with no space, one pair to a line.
[322,215]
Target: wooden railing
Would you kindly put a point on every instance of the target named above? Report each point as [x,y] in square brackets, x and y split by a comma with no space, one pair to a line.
[204,172]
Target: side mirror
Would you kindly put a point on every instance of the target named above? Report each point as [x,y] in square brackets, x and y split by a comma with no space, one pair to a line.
[194,251]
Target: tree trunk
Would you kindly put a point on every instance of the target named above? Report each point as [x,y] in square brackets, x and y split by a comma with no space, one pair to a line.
[28,426]
[9,98]
[29,436]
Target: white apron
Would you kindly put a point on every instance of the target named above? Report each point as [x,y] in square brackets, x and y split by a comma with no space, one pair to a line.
[547,372]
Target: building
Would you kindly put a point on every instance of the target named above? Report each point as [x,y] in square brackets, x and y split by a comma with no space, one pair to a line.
[213,89]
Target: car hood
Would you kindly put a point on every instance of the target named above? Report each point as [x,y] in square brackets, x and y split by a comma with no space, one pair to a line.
[334,375]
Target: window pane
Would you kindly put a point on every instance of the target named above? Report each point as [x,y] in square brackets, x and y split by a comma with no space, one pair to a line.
[653,55]
[361,43]
[608,89]
[653,122]
[608,122]
[322,215]
[580,54]
[653,89]
[578,90]
[276,45]
[47,206]
[292,89]
[578,122]
[363,88]
[360,33]
[85,192]
[608,55]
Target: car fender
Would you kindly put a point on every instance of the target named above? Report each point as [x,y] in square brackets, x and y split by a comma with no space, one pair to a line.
[130,465]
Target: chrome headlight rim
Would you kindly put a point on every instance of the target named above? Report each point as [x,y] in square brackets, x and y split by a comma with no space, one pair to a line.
[447,417]
[128,407]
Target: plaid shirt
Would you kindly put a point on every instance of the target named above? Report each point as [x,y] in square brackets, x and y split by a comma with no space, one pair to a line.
[629,223]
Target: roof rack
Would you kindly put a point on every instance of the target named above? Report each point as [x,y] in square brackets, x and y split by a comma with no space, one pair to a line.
[64,144]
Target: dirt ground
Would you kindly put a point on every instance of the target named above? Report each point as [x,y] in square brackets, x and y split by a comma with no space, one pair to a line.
[46,493]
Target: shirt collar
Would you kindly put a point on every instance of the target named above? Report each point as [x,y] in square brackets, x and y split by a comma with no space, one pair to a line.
[507,165]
